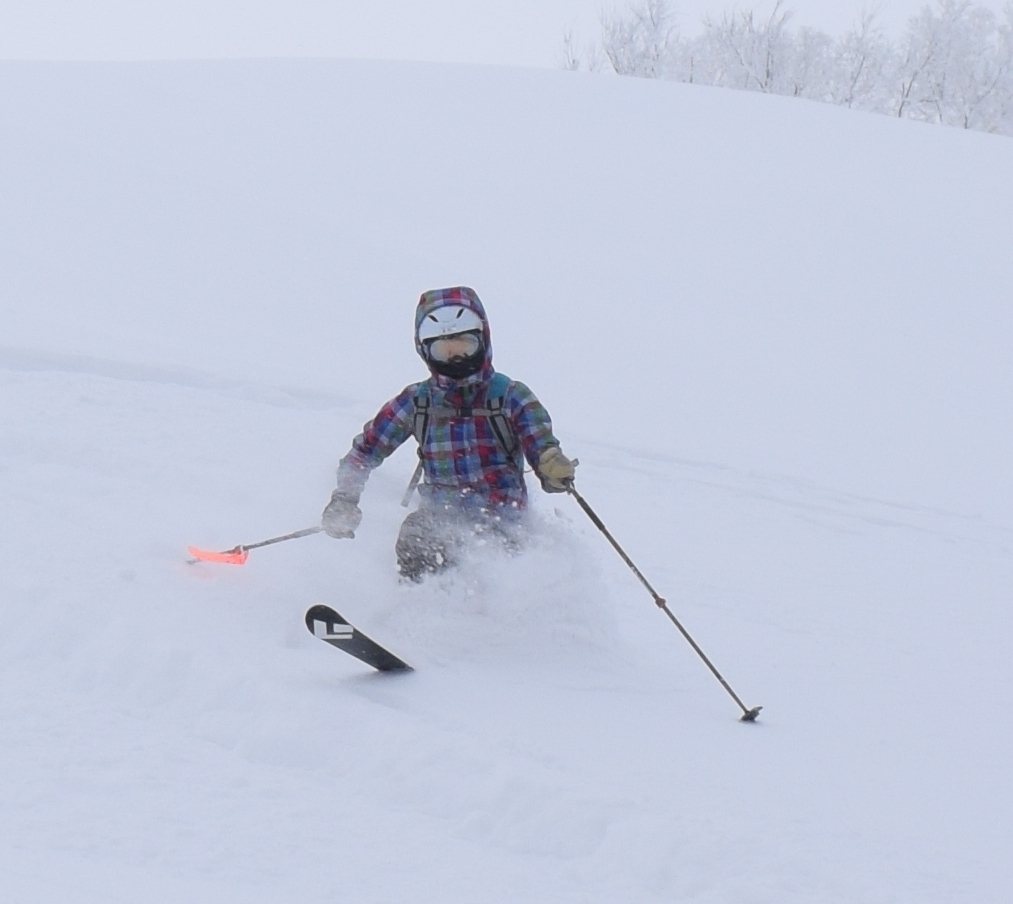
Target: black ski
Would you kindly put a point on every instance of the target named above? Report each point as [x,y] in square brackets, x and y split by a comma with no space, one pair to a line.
[325,623]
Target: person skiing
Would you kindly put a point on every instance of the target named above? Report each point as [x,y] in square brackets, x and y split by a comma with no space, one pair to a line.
[475,429]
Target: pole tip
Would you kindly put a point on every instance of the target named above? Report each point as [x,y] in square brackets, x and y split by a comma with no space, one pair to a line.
[237,556]
[750,715]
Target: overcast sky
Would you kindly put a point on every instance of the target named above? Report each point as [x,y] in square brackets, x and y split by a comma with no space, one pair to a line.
[511,32]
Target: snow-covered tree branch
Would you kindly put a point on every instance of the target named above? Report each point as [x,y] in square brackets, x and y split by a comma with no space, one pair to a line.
[953,65]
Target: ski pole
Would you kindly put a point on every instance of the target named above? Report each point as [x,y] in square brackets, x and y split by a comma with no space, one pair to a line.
[239,554]
[748,715]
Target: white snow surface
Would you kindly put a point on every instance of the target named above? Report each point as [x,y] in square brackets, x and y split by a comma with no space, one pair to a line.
[776,334]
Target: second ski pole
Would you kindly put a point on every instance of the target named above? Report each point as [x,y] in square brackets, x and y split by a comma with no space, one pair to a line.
[748,715]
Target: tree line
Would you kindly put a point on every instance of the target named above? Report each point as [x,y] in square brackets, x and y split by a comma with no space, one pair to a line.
[952,65]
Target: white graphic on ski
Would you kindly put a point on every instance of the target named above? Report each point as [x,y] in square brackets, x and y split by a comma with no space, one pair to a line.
[332,632]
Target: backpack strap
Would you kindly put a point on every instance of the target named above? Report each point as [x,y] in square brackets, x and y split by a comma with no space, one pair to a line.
[421,429]
[422,414]
[498,420]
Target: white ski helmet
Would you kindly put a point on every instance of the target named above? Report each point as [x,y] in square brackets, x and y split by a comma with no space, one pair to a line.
[448,321]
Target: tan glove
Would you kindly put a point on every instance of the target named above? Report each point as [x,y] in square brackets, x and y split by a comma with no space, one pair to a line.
[555,470]
[341,517]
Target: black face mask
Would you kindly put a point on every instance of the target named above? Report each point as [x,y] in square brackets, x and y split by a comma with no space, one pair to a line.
[459,367]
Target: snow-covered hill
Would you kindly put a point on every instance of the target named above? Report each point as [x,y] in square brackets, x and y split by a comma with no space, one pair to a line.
[776,334]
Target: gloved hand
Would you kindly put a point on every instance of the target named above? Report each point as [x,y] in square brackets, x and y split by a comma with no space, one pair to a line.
[555,470]
[341,517]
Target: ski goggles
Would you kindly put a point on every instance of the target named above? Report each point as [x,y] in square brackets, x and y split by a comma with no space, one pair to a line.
[460,345]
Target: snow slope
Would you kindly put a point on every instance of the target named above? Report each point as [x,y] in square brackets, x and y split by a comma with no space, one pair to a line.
[777,336]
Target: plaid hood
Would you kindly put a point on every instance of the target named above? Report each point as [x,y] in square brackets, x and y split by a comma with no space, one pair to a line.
[435,299]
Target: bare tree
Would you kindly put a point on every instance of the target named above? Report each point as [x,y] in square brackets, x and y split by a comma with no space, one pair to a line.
[955,67]
[922,49]
[811,65]
[644,42]
[862,55]
[750,55]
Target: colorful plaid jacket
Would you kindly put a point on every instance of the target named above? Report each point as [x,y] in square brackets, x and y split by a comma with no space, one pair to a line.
[464,464]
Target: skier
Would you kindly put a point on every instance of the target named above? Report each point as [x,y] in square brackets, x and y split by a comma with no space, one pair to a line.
[475,428]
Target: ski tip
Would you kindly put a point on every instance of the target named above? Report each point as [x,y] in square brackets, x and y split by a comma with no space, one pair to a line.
[320,612]
[750,715]
[237,556]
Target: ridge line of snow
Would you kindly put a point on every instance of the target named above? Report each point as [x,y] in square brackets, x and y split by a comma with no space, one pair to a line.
[33,360]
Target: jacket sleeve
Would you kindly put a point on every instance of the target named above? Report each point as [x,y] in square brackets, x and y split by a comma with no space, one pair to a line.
[393,424]
[530,421]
